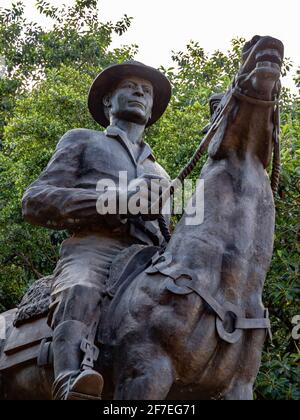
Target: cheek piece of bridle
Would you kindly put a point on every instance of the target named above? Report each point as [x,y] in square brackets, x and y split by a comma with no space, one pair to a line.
[220,114]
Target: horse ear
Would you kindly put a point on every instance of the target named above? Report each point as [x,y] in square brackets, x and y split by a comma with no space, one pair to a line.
[214,102]
[216,149]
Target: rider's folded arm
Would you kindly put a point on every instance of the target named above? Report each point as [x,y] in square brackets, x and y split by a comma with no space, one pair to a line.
[53,202]
[58,207]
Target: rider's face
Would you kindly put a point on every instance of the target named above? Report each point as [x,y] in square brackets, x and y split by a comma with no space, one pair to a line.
[132,100]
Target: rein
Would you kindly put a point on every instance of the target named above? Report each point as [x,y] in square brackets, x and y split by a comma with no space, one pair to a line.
[235,93]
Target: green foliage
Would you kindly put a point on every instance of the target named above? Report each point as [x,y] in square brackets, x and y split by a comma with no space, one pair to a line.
[280,376]
[195,77]
[44,94]
[77,38]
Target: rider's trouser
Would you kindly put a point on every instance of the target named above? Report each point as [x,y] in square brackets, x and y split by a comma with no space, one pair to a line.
[79,283]
[81,275]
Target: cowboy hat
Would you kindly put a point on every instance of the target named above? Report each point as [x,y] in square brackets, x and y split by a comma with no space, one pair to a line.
[109,78]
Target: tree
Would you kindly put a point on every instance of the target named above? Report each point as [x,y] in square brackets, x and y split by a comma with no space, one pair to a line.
[77,37]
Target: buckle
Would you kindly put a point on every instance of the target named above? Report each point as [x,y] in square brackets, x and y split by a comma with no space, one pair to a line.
[227,328]
[91,354]
[159,262]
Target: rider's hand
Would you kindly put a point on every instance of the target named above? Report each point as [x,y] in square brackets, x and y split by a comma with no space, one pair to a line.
[144,196]
[141,198]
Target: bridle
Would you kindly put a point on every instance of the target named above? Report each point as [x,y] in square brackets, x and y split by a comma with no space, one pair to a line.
[276,163]
[235,93]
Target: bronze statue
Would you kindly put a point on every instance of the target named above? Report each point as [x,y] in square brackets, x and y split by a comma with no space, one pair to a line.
[182,320]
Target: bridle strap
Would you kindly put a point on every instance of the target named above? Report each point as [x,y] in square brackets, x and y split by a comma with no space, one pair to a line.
[254,101]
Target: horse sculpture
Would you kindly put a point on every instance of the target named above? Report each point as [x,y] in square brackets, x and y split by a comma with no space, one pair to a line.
[190,324]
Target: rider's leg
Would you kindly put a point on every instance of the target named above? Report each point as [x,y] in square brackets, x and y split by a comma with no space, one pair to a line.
[74,315]
[80,277]
[79,285]
[146,374]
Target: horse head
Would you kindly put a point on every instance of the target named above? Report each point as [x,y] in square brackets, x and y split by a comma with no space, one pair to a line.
[246,121]
[259,76]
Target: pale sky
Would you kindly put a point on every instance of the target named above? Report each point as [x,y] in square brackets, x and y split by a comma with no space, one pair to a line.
[160,26]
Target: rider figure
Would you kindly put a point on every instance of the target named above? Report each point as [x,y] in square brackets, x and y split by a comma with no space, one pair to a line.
[125,99]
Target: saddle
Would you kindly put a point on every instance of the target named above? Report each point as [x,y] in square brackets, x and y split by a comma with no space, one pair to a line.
[29,339]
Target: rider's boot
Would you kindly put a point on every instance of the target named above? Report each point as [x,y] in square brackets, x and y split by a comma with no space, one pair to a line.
[74,377]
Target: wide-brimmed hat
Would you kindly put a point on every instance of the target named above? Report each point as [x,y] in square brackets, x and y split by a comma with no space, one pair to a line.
[109,78]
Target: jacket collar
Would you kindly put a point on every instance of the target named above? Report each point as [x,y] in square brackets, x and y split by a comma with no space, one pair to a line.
[116,132]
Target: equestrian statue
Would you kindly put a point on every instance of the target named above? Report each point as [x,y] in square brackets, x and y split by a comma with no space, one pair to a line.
[132,312]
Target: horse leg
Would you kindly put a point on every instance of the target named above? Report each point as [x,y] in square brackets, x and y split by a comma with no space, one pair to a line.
[146,377]
[240,392]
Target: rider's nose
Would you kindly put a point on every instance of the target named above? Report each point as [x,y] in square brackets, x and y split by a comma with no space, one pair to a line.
[139,92]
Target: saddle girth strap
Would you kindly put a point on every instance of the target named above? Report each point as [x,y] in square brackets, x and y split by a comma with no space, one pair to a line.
[189,283]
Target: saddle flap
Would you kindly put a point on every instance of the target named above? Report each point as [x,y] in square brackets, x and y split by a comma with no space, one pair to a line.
[27,335]
[24,344]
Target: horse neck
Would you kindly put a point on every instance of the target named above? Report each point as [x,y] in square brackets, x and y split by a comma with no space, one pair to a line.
[231,250]
[246,132]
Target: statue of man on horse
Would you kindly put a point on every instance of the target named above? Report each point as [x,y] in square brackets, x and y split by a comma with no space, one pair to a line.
[173,318]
